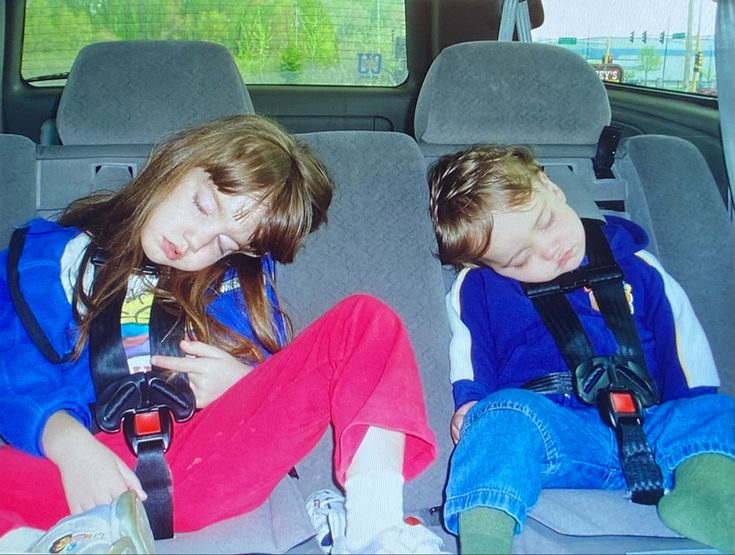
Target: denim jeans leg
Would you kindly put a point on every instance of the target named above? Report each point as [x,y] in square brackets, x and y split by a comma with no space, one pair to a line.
[682,428]
[514,442]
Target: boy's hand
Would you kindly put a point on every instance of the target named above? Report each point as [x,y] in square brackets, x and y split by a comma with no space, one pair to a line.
[211,370]
[90,473]
[458,418]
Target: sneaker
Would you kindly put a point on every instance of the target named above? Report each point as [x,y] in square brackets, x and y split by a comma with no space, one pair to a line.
[326,509]
[402,538]
[121,527]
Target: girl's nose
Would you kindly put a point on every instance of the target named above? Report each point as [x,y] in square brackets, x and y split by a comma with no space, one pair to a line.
[196,239]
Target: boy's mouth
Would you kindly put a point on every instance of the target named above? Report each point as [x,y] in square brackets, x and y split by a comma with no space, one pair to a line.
[566,257]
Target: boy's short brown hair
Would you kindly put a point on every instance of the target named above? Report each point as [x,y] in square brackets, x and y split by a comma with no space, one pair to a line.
[467,187]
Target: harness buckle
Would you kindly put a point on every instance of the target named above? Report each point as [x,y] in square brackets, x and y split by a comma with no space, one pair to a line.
[147,426]
[618,405]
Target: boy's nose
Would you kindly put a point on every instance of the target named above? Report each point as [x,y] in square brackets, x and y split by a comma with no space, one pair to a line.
[550,251]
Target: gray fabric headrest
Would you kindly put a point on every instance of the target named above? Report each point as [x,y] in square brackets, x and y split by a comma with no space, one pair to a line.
[135,92]
[510,92]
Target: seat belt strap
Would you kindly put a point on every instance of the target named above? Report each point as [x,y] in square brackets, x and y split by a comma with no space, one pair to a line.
[142,404]
[618,384]
[26,316]
[155,478]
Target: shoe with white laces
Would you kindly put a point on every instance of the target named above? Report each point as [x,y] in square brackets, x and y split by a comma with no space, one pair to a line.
[326,509]
[121,527]
[402,538]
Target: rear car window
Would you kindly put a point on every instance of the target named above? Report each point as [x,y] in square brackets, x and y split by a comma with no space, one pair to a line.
[661,44]
[299,42]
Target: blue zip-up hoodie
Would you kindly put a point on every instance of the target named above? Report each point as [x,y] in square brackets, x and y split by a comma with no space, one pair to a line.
[33,388]
[499,341]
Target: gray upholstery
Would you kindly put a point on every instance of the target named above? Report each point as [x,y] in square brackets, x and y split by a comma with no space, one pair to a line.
[135,92]
[17,180]
[513,91]
[693,232]
[378,240]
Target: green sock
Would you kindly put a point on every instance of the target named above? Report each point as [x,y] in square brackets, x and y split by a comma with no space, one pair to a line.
[700,506]
[485,530]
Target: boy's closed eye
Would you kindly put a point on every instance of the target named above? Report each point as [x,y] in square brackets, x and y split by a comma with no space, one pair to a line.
[549,221]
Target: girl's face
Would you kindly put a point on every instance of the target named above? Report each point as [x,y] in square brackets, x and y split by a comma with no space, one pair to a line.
[539,241]
[196,224]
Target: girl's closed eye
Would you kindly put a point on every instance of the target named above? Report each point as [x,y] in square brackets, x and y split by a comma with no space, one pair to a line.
[205,203]
[198,204]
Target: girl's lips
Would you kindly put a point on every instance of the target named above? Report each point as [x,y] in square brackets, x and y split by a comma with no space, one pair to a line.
[169,250]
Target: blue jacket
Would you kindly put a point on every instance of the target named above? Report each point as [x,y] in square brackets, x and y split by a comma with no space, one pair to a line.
[499,341]
[31,387]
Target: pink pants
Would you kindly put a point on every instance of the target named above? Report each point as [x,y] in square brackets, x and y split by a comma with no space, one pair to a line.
[354,367]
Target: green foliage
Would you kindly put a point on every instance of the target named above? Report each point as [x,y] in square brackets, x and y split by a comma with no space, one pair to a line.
[321,40]
[648,60]
[291,59]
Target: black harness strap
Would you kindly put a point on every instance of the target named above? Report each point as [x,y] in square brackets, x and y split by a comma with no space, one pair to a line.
[618,384]
[143,403]
[26,316]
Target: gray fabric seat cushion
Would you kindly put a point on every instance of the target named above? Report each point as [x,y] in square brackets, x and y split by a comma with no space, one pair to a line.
[17,183]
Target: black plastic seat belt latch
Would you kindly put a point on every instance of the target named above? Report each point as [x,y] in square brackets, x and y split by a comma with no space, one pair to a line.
[618,406]
[148,426]
[607,146]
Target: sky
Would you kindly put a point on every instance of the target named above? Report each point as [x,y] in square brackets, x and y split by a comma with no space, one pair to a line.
[617,18]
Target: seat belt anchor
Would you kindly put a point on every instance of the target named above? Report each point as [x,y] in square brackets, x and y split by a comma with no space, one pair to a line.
[147,426]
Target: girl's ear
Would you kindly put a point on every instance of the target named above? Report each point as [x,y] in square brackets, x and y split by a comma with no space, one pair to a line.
[550,186]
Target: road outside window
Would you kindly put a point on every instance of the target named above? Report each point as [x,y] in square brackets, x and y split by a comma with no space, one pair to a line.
[662,44]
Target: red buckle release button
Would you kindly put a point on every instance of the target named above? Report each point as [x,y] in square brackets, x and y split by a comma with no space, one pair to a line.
[147,423]
[622,402]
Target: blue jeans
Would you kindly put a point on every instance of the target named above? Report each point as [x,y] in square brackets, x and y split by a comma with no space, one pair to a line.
[516,442]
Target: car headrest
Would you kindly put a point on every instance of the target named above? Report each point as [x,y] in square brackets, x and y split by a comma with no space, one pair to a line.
[510,92]
[134,92]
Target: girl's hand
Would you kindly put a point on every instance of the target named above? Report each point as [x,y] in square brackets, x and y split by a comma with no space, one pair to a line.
[211,371]
[90,473]
[458,418]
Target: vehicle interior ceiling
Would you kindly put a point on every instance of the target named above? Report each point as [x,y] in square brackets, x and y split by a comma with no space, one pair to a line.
[405,274]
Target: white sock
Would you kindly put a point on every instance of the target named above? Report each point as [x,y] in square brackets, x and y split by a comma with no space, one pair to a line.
[373,503]
[19,540]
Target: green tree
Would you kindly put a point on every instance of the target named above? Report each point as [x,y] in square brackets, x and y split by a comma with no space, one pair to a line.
[648,60]
[316,33]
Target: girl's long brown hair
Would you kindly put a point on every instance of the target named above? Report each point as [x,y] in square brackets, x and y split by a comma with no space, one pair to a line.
[243,154]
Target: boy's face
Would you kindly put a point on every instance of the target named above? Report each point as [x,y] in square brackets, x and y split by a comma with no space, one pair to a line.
[538,241]
[196,224]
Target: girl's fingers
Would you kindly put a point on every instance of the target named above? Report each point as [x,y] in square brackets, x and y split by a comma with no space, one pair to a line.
[201,349]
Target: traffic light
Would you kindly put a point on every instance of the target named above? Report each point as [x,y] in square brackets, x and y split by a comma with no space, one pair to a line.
[607,59]
[644,37]
[632,36]
[698,59]
[661,37]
